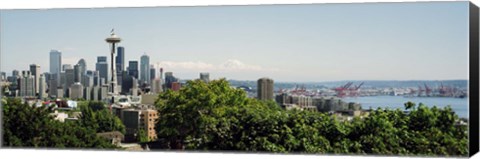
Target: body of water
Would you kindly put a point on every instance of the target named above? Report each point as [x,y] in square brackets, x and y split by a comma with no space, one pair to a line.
[459,105]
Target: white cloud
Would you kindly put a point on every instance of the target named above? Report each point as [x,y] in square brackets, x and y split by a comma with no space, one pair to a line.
[238,65]
[229,65]
[189,65]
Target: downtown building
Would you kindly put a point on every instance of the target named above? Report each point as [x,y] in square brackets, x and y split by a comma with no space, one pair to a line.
[26,85]
[205,77]
[55,65]
[102,67]
[120,64]
[42,87]
[35,72]
[322,104]
[170,79]
[137,119]
[152,72]
[145,69]
[82,70]
[265,89]
[133,69]
[69,77]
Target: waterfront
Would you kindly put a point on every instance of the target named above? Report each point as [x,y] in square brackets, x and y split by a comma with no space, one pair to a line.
[459,105]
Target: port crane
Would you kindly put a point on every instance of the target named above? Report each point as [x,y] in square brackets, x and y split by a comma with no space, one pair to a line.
[347,90]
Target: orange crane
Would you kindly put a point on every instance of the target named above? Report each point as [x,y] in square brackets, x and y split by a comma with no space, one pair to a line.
[428,90]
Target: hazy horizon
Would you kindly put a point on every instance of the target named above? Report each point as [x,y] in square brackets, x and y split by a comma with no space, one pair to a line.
[288,43]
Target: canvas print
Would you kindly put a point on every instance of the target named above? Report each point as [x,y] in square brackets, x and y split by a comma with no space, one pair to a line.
[354,79]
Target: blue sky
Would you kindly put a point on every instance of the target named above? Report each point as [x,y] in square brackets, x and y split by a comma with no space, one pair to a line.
[322,42]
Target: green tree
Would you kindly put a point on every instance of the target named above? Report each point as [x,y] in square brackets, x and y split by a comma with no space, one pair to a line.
[29,126]
[215,116]
[142,136]
[95,116]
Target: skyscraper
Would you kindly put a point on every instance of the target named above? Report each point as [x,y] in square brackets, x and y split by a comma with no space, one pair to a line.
[145,69]
[83,70]
[102,67]
[55,63]
[76,91]
[26,84]
[205,77]
[156,85]
[102,59]
[3,76]
[169,79]
[77,75]
[120,59]
[96,78]
[152,72]
[127,84]
[69,80]
[66,66]
[15,73]
[53,86]
[265,89]
[42,87]
[133,69]
[35,71]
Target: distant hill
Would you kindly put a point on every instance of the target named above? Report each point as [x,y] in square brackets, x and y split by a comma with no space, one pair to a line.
[367,84]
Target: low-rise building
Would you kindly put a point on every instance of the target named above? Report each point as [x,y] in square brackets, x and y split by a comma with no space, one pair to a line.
[136,119]
[115,137]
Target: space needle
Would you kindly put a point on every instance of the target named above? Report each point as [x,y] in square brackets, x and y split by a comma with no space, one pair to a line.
[112,40]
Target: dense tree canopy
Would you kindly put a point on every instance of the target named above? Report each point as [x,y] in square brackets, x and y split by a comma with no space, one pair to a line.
[215,116]
[30,126]
[97,117]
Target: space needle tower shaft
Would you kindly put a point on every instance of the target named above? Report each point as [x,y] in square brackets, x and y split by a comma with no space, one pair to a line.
[112,40]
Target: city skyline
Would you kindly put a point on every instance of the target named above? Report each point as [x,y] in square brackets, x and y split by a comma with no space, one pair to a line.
[324,42]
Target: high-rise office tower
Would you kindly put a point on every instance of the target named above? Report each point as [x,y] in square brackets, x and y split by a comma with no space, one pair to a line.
[127,84]
[66,66]
[77,73]
[63,79]
[265,89]
[35,71]
[152,72]
[161,73]
[15,73]
[76,91]
[169,79]
[3,76]
[120,59]
[88,81]
[205,77]
[83,66]
[96,78]
[42,87]
[26,85]
[120,64]
[156,85]
[89,72]
[53,85]
[144,69]
[55,63]
[134,89]
[69,80]
[83,70]
[133,69]
[87,93]
[102,67]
